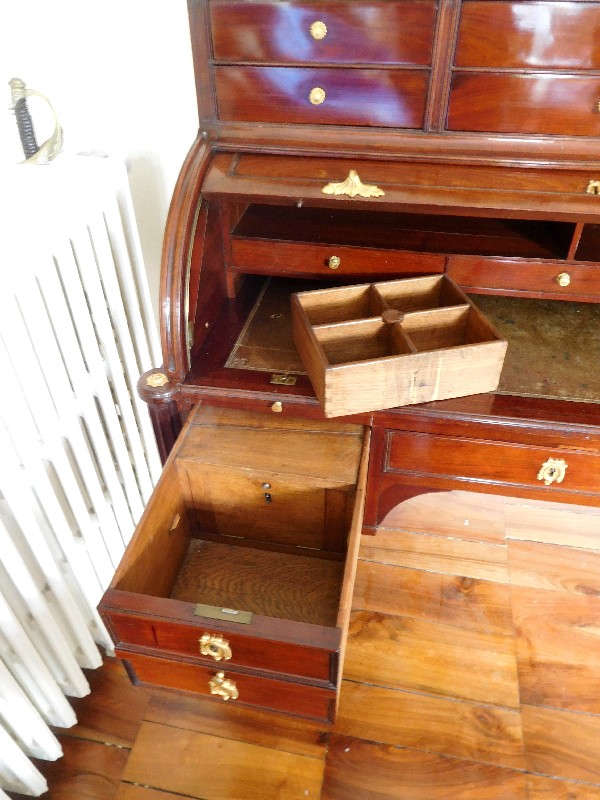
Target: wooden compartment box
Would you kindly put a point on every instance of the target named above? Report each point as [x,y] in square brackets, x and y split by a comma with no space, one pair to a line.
[238,579]
[395,343]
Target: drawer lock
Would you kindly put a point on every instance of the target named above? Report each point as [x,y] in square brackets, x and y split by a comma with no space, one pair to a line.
[223,687]
[552,471]
[215,646]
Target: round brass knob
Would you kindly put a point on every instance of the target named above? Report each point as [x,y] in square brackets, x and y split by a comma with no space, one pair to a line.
[277,407]
[552,471]
[334,262]
[223,687]
[317,96]
[318,30]
[215,646]
[563,279]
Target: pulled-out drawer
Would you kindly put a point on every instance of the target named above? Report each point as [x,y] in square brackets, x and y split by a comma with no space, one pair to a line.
[244,559]
[303,700]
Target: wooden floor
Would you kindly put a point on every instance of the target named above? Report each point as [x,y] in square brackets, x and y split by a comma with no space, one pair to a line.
[459,683]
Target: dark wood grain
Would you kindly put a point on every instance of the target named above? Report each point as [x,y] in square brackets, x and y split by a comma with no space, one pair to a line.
[398,33]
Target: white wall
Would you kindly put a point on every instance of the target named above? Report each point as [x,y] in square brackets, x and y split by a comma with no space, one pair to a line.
[120,77]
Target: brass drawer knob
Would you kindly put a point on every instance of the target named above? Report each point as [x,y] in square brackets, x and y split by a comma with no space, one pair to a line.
[563,279]
[334,262]
[552,471]
[318,30]
[215,646]
[223,687]
[277,407]
[317,96]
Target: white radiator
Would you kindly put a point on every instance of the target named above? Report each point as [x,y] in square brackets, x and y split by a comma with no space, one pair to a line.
[77,453]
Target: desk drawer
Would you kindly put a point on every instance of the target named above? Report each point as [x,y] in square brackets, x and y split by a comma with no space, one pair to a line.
[526,35]
[238,688]
[323,32]
[537,103]
[245,556]
[384,98]
[271,257]
[552,279]
[466,461]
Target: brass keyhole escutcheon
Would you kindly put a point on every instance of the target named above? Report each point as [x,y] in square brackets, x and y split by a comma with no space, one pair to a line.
[593,187]
[552,471]
[317,96]
[318,30]
[563,279]
[334,262]
[223,687]
[215,646]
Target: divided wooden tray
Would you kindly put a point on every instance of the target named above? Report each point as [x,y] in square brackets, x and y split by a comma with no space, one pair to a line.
[394,343]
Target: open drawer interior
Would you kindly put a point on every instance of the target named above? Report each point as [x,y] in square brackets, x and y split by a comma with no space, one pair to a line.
[253,515]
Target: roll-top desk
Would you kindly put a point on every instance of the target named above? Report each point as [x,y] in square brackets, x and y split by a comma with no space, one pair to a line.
[344,141]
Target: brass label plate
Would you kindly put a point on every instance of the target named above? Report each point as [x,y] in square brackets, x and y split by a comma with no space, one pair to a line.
[219,612]
[283,380]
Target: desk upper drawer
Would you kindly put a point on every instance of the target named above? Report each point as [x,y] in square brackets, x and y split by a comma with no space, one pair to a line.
[538,103]
[526,35]
[322,96]
[471,460]
[323,32]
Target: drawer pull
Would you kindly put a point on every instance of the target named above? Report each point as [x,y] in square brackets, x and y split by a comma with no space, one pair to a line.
[215,646]
[318,30]
[552,471]
[593,187]
[334,262]
[223,687]
[277,407]
[317,96]
[353,186]
[563,279]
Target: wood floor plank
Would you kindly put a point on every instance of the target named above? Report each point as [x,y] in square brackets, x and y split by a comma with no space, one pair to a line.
[454,600]
[576,526]
[114,709]
[130,791]
[429,657]
[452,556]
[545,566]
[558,647]
[213,768]
[87,771]
[562,743]
[264,728]
[434,724]
[542,788]
[467,515]
[360,770]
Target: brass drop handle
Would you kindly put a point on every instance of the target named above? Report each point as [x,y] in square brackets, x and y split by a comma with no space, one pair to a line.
[223,687]
[552,471]
[215,646]
[318,30]
[334,262]
[563,279]
[317,96]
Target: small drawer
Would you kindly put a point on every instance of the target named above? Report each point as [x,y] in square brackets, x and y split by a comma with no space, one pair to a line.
[551,471]
[526,35]
[553,280]
[210,645]
[327,260]
[540,103]
[246,553]
[226,685]
[324,32]
[298,95]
